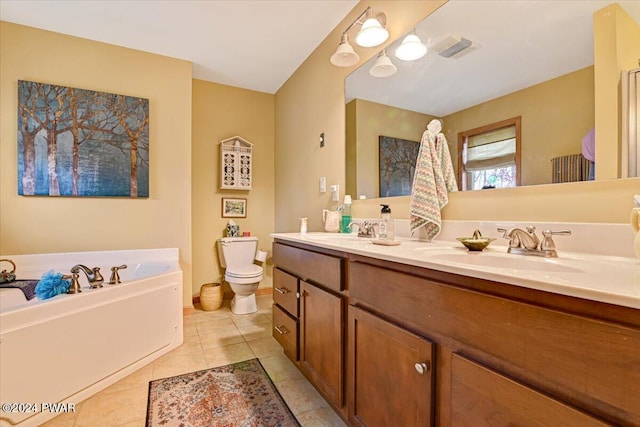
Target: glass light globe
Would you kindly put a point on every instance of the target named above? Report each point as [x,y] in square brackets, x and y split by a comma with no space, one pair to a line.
[344,56]
[411,48]
[372,33]
[383,67]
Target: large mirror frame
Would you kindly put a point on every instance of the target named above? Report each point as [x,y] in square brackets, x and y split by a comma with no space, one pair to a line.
[523,62]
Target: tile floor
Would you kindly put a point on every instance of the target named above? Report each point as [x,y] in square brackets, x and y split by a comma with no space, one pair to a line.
[211,338]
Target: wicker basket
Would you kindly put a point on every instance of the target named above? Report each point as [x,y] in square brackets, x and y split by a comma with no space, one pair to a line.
[211,296]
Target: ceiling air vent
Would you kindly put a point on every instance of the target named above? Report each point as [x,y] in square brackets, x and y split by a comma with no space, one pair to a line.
[454,46]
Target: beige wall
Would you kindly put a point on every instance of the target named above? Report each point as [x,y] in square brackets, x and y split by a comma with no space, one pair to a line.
[546,110]
[312,101]
[616,48]
[370,120]
[221,112]
[64,224]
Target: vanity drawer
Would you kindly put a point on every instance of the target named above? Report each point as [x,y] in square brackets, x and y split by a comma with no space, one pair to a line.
[322,269]
[285,331]
[285,291]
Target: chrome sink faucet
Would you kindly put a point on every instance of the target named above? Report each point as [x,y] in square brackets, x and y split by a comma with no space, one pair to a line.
[523,242]
[93,275]
[518,238]
[365,228]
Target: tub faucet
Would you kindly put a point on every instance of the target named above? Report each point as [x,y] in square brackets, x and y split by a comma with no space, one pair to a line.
[93,275]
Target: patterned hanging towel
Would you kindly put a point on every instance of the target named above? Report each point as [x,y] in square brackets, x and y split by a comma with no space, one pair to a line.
[433,178]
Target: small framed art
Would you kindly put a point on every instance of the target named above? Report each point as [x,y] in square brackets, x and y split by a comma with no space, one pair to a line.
[234,207]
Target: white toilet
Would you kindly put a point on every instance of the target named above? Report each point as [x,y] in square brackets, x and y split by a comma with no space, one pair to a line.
[237,255]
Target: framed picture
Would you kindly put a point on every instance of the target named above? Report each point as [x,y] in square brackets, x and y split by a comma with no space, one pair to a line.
[234,208]
[397,165]
[81,143]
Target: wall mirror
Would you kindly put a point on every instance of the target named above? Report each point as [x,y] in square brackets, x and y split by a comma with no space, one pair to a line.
[528,59]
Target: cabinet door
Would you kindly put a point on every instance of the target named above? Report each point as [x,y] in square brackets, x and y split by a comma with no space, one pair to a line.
[482,397]
[321,340]
[391,375]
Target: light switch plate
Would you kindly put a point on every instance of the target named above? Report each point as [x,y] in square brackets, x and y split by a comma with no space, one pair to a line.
[335,192]
[323,184]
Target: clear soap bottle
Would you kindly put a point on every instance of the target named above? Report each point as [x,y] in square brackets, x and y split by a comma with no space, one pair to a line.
[385,230]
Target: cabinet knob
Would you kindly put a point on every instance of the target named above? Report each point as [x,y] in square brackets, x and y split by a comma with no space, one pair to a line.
[282,290]
[423,367]
[281,330]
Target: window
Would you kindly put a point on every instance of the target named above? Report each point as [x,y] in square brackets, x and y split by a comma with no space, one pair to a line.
[489,156]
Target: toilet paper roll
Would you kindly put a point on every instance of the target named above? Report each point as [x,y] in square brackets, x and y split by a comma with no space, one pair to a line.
[261,256]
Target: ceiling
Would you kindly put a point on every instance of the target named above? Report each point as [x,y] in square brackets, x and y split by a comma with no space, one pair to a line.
[519,44]
[258,44]
[254,44]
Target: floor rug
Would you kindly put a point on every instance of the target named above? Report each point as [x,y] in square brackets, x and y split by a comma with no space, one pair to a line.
[240,394]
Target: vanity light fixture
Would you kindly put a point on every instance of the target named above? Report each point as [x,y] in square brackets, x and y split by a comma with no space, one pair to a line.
[411,48]
[383,66]
[372,33]
[345,56]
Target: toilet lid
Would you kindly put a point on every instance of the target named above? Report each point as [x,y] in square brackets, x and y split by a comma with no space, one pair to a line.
[250,270]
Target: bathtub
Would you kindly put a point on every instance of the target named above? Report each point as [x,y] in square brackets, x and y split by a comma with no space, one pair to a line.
[67,348]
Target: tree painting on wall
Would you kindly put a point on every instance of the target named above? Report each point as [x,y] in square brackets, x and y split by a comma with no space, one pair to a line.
[397,159]
[76,142]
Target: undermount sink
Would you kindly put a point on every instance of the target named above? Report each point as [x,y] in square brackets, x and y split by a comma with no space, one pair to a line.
[508,261]
[328,237]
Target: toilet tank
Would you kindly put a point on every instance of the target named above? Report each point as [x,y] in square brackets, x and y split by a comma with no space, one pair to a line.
[234,251]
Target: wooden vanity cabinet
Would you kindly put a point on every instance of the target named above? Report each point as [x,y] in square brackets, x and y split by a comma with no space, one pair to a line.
[507,355]
[319,313]
[424,347]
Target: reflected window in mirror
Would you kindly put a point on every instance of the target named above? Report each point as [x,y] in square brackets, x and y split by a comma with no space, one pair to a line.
[489,156]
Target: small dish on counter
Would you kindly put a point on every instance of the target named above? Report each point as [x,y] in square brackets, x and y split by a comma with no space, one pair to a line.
[477,242]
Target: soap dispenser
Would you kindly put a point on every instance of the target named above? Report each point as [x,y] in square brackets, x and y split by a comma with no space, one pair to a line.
[346,215]
[385,230]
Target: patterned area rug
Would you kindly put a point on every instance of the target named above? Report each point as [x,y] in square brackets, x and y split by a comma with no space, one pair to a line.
[240,394]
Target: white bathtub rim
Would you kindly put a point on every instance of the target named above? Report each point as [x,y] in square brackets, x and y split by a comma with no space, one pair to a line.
[37,264]
[92,296]
[63,261]
[34,302]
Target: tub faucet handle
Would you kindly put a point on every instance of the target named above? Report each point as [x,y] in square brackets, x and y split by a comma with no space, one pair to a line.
[115,277]
[74,288]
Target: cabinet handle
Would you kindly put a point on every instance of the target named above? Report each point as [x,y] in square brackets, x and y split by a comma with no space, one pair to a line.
[422,367]
[282,290]
[281,330]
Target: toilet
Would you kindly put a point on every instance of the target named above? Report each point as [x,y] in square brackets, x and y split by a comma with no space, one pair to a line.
[236,255]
